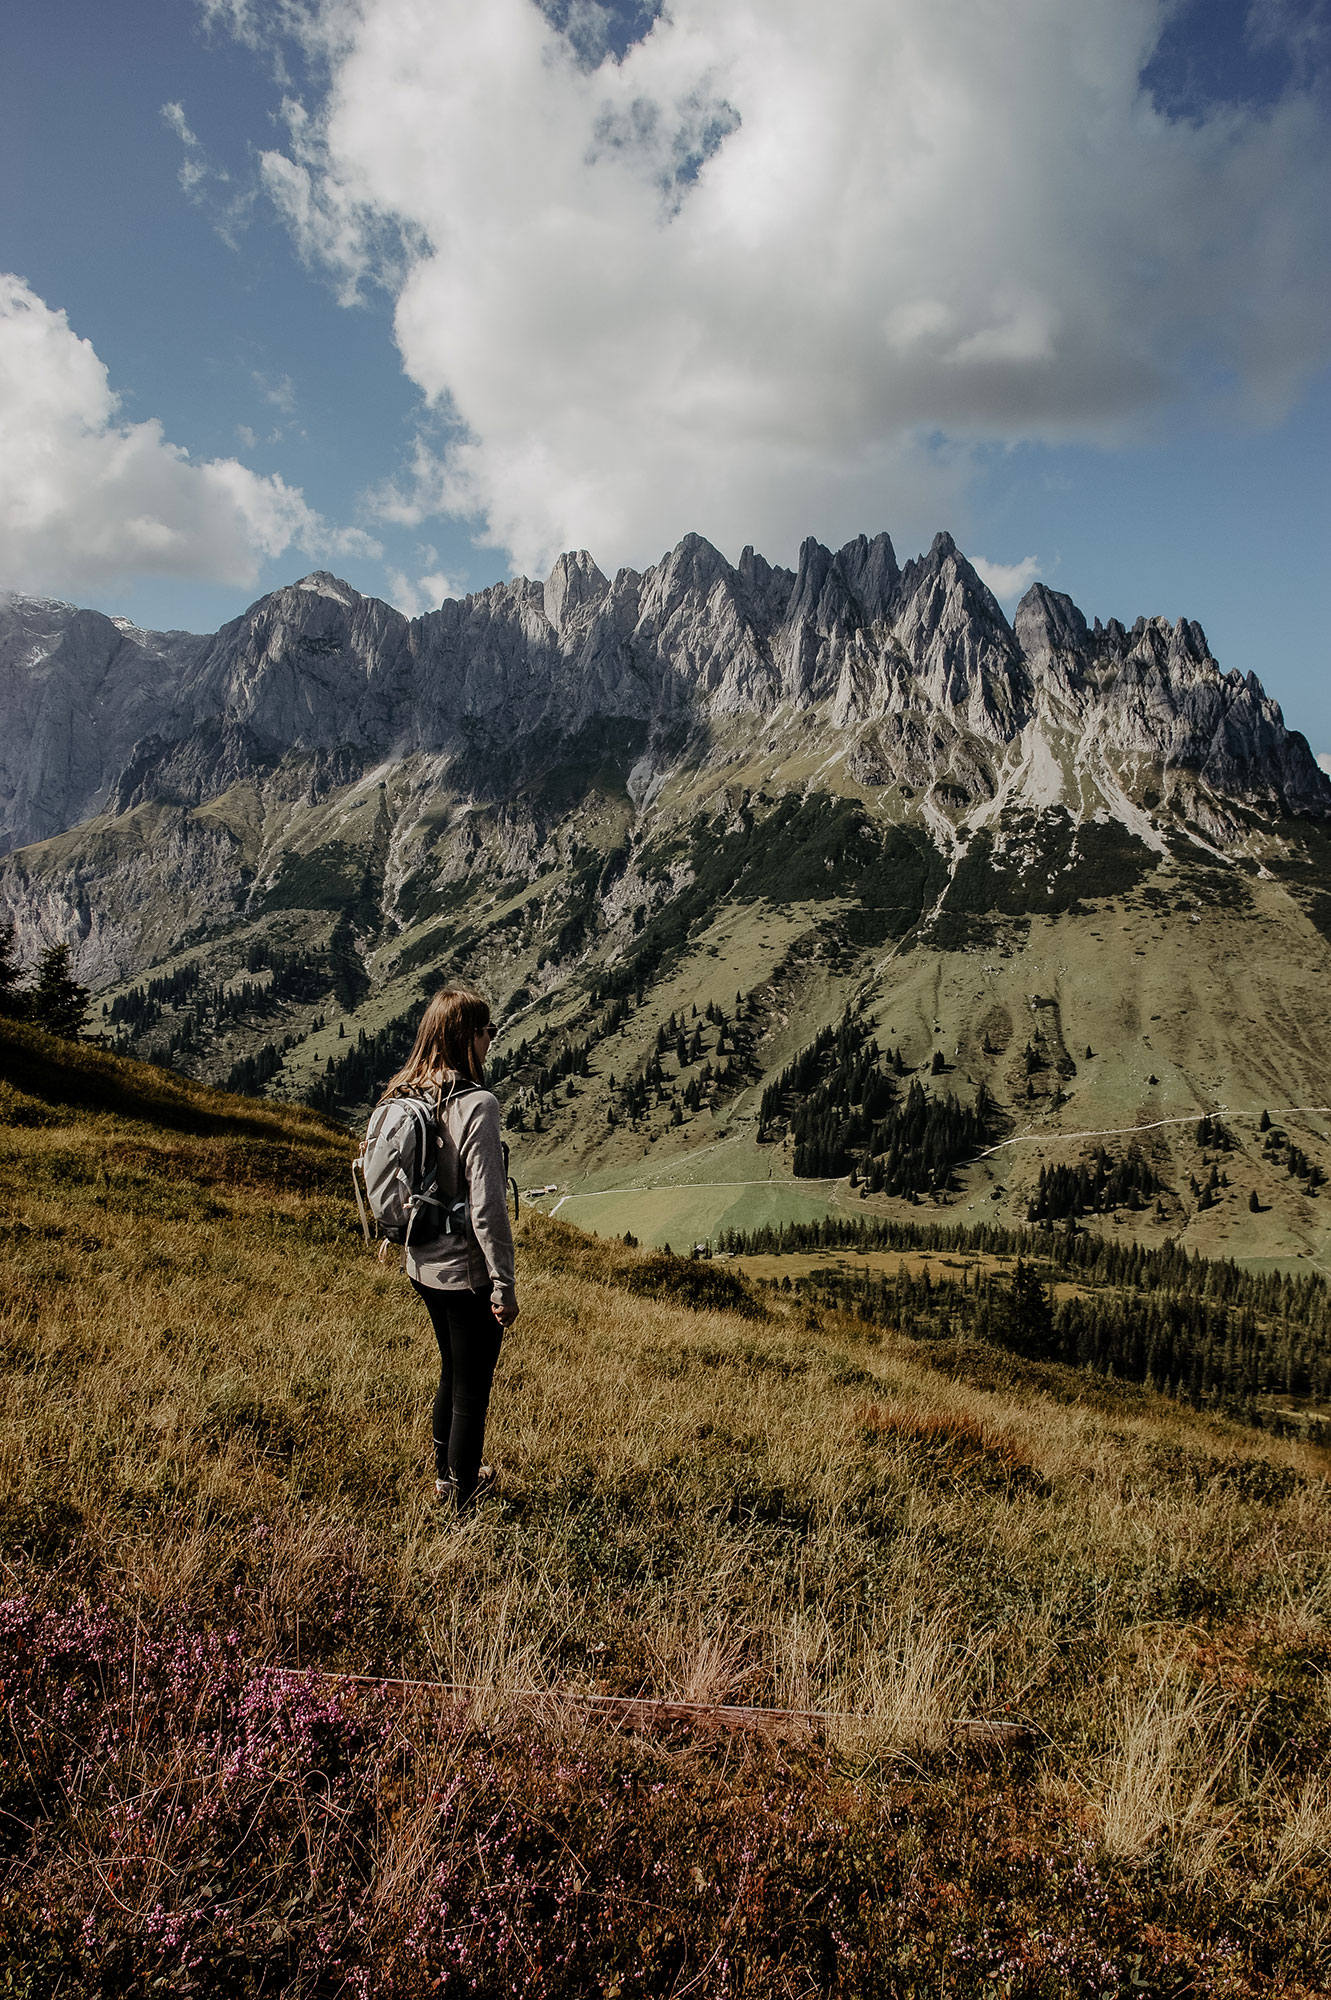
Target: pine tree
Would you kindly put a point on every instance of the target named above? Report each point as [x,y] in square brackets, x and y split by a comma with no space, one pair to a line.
[1022,1317]
[58,1004]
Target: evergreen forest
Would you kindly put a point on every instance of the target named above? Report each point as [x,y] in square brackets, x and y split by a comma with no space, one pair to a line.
[842,1103]
[1256,1345]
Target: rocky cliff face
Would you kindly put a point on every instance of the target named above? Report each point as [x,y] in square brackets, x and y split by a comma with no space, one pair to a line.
[77,692]
[916,663]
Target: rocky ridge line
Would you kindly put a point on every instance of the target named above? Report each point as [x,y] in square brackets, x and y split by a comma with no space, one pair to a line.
[95,715]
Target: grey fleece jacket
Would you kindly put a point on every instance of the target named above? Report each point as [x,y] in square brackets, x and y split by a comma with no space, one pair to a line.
[469,1119]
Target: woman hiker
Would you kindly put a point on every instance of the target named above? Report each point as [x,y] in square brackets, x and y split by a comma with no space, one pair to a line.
[465,1279]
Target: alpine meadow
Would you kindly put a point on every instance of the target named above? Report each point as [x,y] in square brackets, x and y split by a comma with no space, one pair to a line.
[665,1000]
[910,1570]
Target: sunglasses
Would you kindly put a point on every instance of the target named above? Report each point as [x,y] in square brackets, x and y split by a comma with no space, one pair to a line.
[489,1029]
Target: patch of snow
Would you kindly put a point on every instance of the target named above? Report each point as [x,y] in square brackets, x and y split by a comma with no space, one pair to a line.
[38,603]
[322,585]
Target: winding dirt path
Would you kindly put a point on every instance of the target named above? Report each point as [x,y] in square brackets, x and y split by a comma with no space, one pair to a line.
[1020,1139]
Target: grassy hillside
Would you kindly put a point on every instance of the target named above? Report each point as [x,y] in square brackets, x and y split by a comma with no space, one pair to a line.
[217,1506]
[1104,981]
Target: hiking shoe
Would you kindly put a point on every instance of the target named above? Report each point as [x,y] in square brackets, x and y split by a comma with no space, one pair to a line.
[446,1490]
[483,1489]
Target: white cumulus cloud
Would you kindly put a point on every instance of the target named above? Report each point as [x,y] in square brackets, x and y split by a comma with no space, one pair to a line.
[1008,581]
[423,593]
[87,499]
[786,267]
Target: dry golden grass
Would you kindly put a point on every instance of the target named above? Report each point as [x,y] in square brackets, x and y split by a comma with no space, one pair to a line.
[215,1406]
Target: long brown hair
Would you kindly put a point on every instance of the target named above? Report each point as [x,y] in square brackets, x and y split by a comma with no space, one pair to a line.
[445,1047]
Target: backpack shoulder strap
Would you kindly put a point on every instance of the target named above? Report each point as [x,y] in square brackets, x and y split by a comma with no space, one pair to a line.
[460,1087]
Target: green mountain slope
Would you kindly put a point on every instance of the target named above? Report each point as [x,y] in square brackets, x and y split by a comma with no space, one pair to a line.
[657,968]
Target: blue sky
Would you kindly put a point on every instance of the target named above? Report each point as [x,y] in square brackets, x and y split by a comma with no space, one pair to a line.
[424,304]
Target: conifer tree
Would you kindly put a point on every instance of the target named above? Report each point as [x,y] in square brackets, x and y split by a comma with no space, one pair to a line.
[58,1004]
[1022,1317]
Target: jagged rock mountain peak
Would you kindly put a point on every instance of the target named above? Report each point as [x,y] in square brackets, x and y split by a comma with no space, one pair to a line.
[690,571]
[573,585]
[965,654]
[1048,623]
[823,596]
[871,570]
[91,712]
[766,585]
[324,584]
[310,666]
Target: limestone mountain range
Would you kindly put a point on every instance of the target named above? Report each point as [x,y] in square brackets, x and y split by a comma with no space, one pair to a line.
[838,782]
[99,716]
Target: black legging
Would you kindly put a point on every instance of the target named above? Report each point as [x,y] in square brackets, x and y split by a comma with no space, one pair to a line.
[469,1335]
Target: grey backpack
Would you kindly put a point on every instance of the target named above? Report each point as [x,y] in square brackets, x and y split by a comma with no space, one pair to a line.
[410,1172]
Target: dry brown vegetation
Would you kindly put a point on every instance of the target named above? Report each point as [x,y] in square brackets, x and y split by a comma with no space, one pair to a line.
[215,1437]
